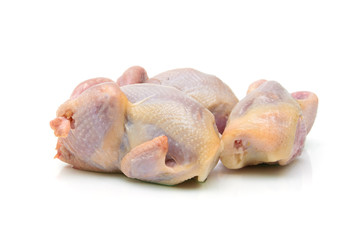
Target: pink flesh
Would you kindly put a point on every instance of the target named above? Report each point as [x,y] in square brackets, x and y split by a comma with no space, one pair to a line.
[300,95]
[133,75]
[255,85]
[86,85]
[61,126]
[238,144]
[147,161]
[220,122]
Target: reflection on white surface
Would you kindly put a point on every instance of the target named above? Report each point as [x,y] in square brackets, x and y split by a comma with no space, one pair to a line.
[249,179]
[265,177]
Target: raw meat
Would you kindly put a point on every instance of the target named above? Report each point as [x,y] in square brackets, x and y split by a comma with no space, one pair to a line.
[149,132]
[267,126]
[207,89]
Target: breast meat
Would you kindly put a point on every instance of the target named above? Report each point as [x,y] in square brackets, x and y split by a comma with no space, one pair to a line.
[207,89]
[149,132]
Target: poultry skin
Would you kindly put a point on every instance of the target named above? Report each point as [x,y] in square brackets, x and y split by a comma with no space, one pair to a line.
[268,126]
[149,132]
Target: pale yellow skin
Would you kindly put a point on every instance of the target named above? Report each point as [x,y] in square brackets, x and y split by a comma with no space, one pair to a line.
[308,102]
[266,141]
[149,132]
[267,126]
[188,126]
[206,89]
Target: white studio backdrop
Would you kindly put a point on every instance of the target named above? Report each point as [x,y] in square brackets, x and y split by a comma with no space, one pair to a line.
[48,47]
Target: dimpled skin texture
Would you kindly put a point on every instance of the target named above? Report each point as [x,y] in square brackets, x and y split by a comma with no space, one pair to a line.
[95,114]
[109,124]
[206,89]
[160,134]
[193,138]
[266,126]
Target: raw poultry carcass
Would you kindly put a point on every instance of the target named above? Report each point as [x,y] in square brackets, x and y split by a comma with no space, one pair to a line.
[268,126]
[149,132]
[207,89]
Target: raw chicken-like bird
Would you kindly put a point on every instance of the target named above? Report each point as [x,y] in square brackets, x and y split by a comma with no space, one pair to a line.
[207,89]
[268,126]
[149,132]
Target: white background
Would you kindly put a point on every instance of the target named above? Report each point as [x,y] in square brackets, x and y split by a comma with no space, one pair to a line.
[47,48]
